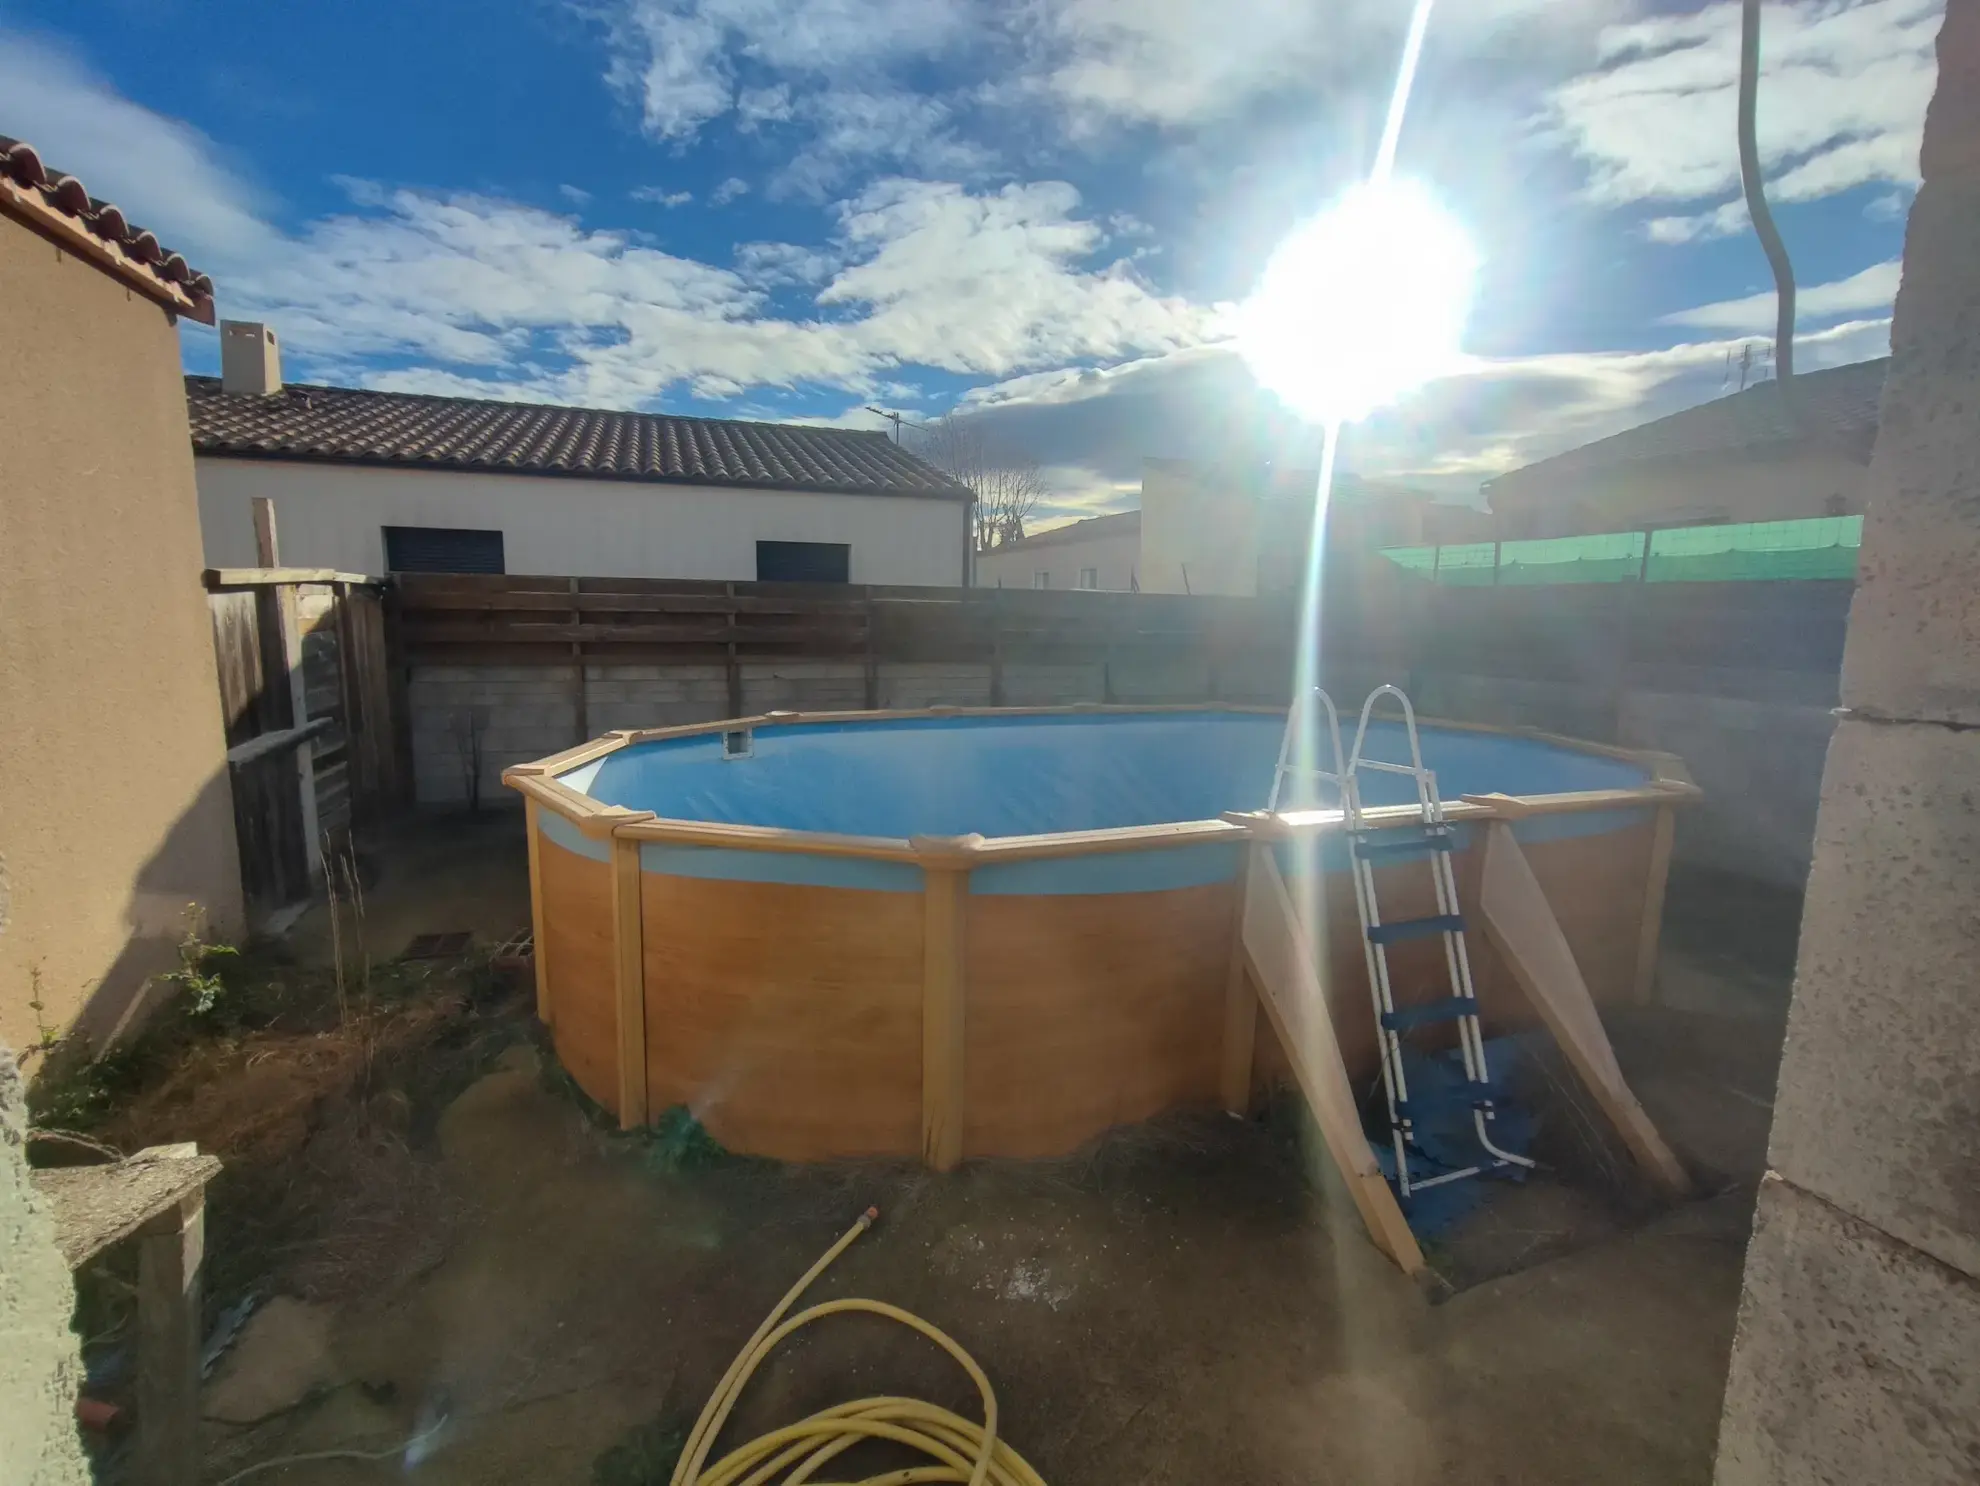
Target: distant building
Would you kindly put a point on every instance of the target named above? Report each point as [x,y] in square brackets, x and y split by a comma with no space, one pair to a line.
[1208,530]
[1750,457]
[1101,552]
[376,482]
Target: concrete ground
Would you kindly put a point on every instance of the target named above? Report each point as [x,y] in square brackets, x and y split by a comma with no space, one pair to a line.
[1182,1302]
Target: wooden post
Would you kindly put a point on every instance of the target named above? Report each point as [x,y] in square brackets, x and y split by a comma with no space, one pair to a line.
[1240,1021]
[629,982]
[734,672]
[871,659]
[580,703]
[1664,833]
[1520,924]
[169,1255]
[267,549]
[289,621]
[945,863]
[532,813]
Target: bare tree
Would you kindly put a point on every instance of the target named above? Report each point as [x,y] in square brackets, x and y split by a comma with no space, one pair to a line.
[1007,484]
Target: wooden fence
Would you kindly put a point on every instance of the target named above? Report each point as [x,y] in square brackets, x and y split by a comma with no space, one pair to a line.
[305,691]
[575,622]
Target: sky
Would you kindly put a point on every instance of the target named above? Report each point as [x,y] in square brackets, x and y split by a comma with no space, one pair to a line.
[1040,213]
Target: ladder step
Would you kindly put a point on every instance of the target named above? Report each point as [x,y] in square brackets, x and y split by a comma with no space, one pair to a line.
[1447,1010]
[1416,928]
[1444,1101]
[1415,846]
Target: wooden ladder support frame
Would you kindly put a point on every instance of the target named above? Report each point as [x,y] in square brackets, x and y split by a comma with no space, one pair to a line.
[1280,961]
[1521,926]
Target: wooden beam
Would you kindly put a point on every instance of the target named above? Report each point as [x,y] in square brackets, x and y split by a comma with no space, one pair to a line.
[1282,962]
[220,578]
[1521,925]
[532,813]
[170,1252]
[629,983]
[1652,932]
[944,980]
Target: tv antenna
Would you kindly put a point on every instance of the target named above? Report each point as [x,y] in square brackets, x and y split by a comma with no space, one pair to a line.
[897,419]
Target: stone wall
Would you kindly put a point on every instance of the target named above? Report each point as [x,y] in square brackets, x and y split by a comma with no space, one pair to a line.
[1858,1352]
[40,1362]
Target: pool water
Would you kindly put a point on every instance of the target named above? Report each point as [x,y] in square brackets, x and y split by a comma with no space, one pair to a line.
[1034,774]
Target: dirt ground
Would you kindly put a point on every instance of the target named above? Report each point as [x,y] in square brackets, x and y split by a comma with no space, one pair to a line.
[545,1301]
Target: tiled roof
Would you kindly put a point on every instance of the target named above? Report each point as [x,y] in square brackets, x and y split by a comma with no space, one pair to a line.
[1836,406]
[60,207]
[409,430]
[1093,528]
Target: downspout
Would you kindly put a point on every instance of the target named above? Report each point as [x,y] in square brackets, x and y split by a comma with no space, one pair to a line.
[1756,201]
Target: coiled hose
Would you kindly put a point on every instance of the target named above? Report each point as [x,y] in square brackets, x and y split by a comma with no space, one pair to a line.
[962,1449]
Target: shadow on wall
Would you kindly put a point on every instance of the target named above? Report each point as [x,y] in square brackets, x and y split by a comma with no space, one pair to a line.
[181,872]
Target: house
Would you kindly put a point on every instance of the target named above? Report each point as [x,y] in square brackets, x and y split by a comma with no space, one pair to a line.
[1209,530]
[1752,456]
[115,811]
[1100,552]
[376,482]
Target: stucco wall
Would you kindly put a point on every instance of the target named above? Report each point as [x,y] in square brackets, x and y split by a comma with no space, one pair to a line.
[1116,558]
[114,807]
[1778,488]
[1197,534]
[333,515]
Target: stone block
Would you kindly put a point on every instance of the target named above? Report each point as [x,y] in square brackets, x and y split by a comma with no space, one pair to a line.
[1855,1357]
[1914,632]
[1878,1109]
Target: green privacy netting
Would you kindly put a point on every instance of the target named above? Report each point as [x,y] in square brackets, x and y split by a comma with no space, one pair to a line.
[1816,547]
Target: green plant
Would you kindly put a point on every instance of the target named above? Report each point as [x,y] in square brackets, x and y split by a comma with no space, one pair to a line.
[645,1456]
[45,1036]
[198,974]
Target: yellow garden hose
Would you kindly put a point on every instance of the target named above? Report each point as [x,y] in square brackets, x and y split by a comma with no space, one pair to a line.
[962,1449]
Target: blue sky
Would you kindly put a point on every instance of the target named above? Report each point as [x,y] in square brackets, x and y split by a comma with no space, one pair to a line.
[1037,211]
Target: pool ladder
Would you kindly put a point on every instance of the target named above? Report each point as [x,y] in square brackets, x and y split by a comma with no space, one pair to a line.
[1425,836]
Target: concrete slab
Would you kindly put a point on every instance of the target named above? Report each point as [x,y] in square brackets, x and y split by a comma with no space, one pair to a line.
[1879,1089]
[1855,1359]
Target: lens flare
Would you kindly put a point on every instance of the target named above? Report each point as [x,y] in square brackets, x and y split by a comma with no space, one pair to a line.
[1361,304]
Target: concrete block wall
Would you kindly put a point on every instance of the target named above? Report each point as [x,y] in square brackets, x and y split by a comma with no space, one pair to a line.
[1857,1356]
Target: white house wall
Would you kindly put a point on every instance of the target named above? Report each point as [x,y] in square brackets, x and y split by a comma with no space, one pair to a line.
[334,515]
[1112,557]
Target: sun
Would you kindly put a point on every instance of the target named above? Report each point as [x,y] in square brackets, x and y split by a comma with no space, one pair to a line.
[1361,304]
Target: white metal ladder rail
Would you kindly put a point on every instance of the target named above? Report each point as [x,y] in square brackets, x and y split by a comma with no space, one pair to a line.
[1434,839]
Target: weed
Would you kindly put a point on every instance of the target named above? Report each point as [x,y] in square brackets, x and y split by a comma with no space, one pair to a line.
[645,1456]
[677,1141]
[198,974]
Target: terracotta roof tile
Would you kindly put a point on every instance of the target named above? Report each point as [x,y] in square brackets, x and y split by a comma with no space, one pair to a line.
[60,206]
[355,425]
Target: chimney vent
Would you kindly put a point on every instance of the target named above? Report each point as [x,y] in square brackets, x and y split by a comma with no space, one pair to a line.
[250,359]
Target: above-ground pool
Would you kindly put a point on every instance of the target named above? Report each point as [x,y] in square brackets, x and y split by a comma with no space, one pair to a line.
[847,935]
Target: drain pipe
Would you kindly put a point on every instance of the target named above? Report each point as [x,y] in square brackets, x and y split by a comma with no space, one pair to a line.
[1756,199]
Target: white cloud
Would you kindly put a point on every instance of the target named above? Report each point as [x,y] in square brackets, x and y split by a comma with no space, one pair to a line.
[660,196]
[1193,62]
[575,195]
[728,191]
[1842,98]
[1873,289]
[681,60]
[164,174]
